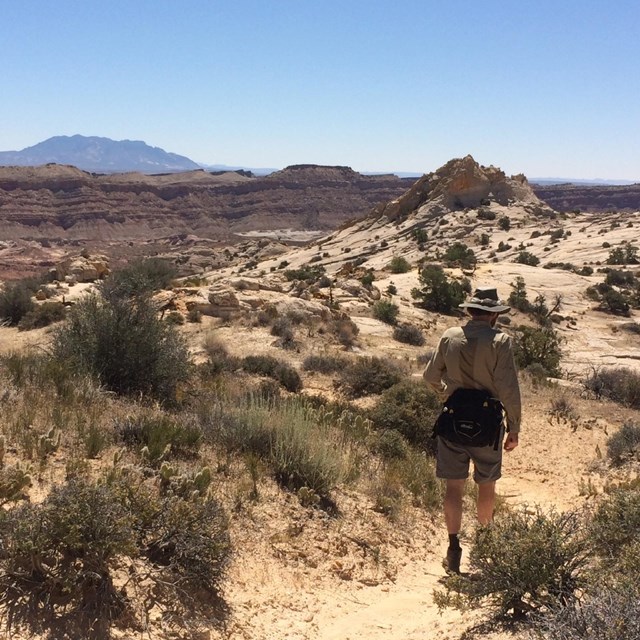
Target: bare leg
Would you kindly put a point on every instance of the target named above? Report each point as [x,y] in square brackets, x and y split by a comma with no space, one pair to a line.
[453,505]
[486,502]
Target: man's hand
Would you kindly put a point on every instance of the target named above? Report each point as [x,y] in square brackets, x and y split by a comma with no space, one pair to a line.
[511,442]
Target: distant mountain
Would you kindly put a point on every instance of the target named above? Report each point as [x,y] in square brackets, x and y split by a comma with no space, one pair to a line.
[99,155]
[580,181]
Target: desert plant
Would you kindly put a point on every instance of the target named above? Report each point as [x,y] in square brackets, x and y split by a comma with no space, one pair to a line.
[619,384]
[624,445]
[437,293]
[409,408]
[459,255]
[140,278]
[408,334]
[399,264]
[324,363]
[518,297]
[385,311]
[538,346]
[15,302]
[615,525]
[369,375]
[626,254]
[42,316]
[526,257]
[504,223]
[125,346]
[545,566]
[345,330]
[607,611]
[157,436]
[271,367]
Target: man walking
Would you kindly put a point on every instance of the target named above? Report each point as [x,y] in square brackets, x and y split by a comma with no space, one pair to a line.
[474,356]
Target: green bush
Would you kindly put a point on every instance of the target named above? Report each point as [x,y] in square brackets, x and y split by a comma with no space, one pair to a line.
[42,316]
[125,346]
[621,278]
[309,274]
[271,367]
[538,346]
[15,302]
[345,330]
[324,363]
[616,523]
[140,278]
[409,334]
[518,297]
[369,375]
[399,264]
[526,257]
[409,408]
[522,562]
[459,255]
[626,254]
[504,223]
[385,311]
[624,445]
[60,555]
[159,436]
[437,293]
[619,384]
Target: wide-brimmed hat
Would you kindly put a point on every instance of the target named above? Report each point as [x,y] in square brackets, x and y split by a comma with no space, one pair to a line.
[486,299]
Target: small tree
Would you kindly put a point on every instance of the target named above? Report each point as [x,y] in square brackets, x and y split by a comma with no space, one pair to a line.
[518,297]
[399,264]
[15,302]
[386,311]
[437,292]
[459,255]
[526,257]
[538,345]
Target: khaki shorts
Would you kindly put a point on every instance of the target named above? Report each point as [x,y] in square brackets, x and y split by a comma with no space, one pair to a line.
[452,462]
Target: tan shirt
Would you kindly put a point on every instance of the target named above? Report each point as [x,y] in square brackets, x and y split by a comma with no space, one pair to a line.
[477,356]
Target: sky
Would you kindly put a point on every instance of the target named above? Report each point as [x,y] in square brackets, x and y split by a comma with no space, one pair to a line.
[540,87]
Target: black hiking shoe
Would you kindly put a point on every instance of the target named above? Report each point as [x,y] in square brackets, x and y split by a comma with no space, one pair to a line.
[452,562]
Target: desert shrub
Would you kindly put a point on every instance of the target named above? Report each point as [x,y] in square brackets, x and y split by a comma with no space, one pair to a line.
[420,235]
[619,384]
[271,367]
[368,278]
[526,257]
[624,445]
[125,346]
[392,290]
[345,330]
[282,328]
[158,436]
[544,566]
[614,302]
[14,480]
[585,271]
[615,525]
[518,297]
[486,214]
[409,408]
[369,375]
[620,278]
[409,334]
[140,278]
[437,292]
[385,311]
[218,358]
[324,363]
[389,444]
[194,315]
[399,264]
[459,254]
[626,254]
[485,239]
[607,612]
[60,555]
[308,273]
[538,345]
[42,316]
[15,302]
[174,317]
[504,223]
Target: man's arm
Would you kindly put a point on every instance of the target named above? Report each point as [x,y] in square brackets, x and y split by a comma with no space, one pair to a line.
[435,369]
[507,387]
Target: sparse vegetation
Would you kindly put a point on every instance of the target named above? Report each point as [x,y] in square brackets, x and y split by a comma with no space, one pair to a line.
[619,384]
[437,292]
[385,311]
[538,346]
[399,264]
[15,302]
[409,334]
[369,375]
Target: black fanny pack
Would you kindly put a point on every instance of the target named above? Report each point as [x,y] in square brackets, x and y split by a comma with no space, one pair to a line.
[471,417]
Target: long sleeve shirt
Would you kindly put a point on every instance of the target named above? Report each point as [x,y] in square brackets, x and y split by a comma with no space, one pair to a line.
[477,356]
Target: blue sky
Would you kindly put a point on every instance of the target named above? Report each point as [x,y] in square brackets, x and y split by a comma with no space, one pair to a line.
[533,86]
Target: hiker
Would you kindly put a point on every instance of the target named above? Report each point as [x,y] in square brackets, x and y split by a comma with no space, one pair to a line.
[474,369]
